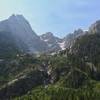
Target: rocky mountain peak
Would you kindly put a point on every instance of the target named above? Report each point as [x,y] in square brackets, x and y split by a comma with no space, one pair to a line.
[23,33]
[78,31]
[51,40]
[47,35]
[16,16]
[95,28]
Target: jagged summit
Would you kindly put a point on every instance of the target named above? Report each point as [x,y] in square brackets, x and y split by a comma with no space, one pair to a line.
[27,39]
[16,15]
[49,34]
[78,31]
[52,41]
[95,27]
[23,33]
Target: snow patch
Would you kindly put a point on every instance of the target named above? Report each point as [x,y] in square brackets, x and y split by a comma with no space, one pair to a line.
[46,40]
[62,45]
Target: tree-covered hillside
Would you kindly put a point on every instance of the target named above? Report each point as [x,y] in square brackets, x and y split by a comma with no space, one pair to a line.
[74,73]
[71,74]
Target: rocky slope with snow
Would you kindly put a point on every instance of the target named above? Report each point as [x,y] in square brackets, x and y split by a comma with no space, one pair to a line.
[58,44]
[28,41]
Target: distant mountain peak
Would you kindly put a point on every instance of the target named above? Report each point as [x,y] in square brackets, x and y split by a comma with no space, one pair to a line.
[51,40]
[78,31]
[48,34]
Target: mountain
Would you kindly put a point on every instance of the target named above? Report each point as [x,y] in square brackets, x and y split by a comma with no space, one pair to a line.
[28,41]
[52,41]
[22,33]
[58,44]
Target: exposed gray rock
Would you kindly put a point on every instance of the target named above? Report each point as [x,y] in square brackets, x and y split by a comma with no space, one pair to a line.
[23,34]
[95,28]
[52,41]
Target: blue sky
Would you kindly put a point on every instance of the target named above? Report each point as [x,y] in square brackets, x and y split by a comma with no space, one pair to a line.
[57,16]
